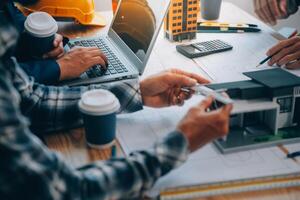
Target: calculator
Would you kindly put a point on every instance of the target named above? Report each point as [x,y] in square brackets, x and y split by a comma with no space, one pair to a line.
[203,48]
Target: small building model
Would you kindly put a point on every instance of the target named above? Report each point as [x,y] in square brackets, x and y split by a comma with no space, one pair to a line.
[266,110]
[181,20]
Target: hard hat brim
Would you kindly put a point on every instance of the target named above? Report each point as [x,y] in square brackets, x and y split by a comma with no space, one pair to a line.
[98,20]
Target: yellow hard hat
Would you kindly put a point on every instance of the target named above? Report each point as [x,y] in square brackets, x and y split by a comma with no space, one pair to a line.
[82,11]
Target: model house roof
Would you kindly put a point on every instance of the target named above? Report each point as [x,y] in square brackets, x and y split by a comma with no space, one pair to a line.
[264,84]
[274,78]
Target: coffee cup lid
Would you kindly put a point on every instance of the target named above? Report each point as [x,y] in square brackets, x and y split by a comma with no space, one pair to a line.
[41,24]
[99,102]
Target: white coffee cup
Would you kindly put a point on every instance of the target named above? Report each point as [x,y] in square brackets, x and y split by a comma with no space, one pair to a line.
[98,109]
[39,34]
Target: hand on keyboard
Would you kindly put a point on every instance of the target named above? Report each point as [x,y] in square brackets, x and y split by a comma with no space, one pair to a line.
[79,60]
[114,65]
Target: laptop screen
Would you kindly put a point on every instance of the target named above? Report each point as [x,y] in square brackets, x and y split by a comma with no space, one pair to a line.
[136,22]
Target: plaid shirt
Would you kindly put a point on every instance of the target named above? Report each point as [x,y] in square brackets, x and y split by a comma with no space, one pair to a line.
[28,170]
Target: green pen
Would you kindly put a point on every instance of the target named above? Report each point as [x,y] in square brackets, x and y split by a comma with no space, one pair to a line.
[269,57]
[113,151]
[265,60]
[223,31]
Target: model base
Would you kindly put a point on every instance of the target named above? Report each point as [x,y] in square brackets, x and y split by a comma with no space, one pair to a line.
[240,139]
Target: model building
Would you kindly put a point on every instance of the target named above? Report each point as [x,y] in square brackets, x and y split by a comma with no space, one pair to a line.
[266,110]
[181,20]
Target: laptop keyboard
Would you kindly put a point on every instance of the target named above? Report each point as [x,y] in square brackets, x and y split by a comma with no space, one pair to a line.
[114,64]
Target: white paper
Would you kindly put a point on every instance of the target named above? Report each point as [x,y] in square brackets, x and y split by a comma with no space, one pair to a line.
[248,51]
[140,131]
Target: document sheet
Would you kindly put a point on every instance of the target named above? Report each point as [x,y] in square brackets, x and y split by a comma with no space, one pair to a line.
[141,129]
[248,51]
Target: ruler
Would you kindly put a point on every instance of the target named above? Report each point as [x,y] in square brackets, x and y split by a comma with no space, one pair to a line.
[229,187]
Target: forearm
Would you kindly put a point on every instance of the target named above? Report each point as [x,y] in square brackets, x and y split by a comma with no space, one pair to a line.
[54,108]
[43,175]
[29,170]
[43,71]
[133,176]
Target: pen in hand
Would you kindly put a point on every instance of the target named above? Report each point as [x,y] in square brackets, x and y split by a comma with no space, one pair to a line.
[265,60]
[269,57]
[293,155]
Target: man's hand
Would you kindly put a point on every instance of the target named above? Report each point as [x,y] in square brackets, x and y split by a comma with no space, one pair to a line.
[270,10]
[286,52]
[58,50]
[201,127]
[78,60]
[164,89]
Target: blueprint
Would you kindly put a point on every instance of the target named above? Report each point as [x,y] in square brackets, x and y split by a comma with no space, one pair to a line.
[140,130]
[247,52]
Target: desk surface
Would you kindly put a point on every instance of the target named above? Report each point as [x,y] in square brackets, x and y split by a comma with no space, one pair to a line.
[71,144]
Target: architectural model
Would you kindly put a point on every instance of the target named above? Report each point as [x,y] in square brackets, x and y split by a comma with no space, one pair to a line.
[181,20]
[266,110]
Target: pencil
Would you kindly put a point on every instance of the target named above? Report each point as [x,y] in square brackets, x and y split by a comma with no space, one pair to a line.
[265,60]
[113,151]
[269,57]
[293,155]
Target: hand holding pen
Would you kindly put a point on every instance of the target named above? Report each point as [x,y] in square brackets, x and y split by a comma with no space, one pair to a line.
[219,97]
[285,53]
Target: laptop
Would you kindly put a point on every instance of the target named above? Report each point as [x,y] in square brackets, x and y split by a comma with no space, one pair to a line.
[128,43]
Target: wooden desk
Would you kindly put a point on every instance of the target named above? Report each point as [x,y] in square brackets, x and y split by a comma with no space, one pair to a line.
[71,144]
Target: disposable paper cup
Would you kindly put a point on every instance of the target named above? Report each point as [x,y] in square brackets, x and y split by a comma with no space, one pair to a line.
[98,109]
[39,34]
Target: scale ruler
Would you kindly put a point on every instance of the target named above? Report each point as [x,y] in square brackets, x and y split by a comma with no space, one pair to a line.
[229,187]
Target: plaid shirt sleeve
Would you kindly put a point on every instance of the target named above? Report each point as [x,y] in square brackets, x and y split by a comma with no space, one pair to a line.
[28,170]
[52,108]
